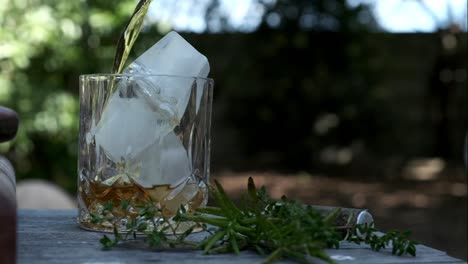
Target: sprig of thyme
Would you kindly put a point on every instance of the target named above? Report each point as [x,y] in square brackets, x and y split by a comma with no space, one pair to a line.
[157,232]
[398,240]
[276,229]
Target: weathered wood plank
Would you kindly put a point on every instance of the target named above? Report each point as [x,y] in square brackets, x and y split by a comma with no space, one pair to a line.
[52,236]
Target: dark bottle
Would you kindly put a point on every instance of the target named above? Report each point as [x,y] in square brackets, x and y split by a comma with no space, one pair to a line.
[8,128]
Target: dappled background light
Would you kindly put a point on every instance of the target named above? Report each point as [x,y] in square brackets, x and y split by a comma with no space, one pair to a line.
[247,15]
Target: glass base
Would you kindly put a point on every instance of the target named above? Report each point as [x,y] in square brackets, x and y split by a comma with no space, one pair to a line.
[103,207]
[175,229]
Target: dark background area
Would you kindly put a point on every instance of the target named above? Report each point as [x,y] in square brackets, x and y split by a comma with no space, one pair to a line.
[318,102]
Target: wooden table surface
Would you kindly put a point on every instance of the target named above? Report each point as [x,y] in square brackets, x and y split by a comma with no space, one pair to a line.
[53,236]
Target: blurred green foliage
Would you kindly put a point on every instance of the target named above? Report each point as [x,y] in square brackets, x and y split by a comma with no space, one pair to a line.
[44,46]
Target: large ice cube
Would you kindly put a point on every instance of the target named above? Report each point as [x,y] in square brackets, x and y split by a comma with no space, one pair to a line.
[138,121]
[128,126]
[165,162]
[172,55]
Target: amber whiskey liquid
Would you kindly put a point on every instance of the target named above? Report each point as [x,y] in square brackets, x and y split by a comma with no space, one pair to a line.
[116,204]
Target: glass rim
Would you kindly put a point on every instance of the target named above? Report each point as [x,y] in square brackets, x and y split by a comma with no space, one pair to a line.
[91,75]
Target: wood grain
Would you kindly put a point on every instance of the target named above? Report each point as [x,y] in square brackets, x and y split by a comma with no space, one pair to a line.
[52,236]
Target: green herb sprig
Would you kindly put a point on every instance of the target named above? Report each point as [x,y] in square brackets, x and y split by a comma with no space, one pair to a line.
[398,240]
[275,229]
[156,232]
